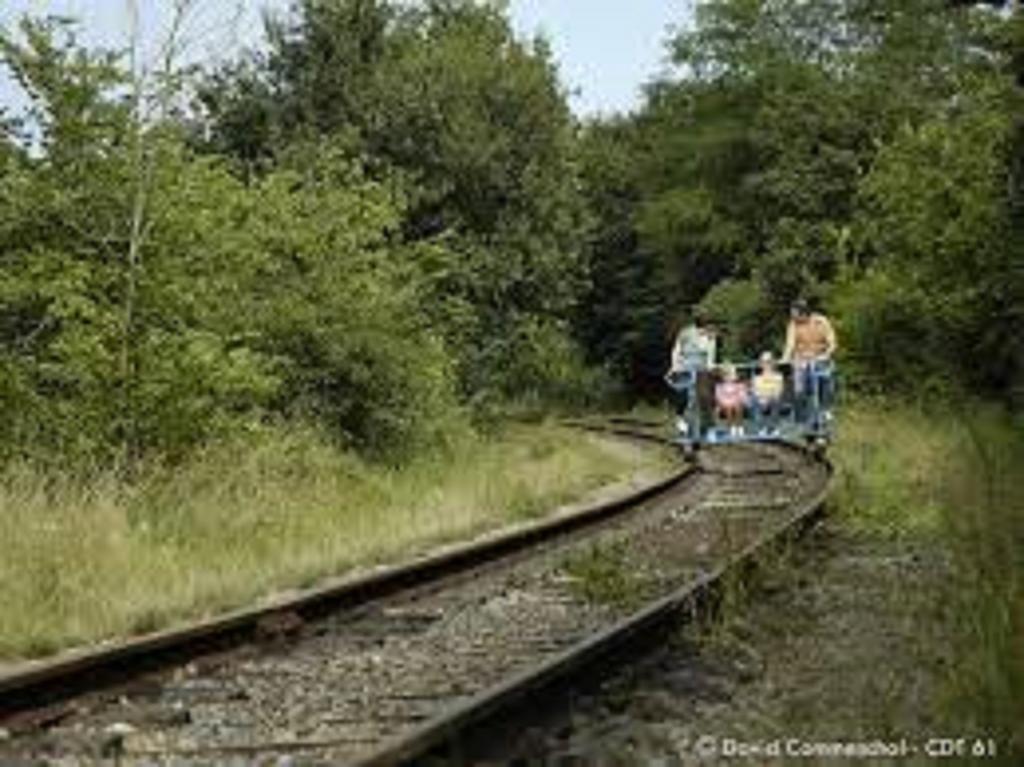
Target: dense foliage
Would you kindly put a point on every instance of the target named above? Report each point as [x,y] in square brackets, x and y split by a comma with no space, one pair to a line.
[370,227]
[387,219]
[472,124]
[865,153]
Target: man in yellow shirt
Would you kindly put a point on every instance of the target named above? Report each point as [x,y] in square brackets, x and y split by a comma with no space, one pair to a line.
[810,345]
[809,337]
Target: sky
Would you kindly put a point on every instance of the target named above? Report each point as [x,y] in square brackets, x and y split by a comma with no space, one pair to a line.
[606,49]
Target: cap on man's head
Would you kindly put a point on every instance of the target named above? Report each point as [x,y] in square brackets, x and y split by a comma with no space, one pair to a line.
[800,307]
[767,358]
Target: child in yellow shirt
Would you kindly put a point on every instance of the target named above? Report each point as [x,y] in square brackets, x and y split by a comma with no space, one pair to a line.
[767,390]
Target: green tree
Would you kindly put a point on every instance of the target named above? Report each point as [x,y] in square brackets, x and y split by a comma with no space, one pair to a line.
[242,301]
[937,211]
[467,121]
[766,168]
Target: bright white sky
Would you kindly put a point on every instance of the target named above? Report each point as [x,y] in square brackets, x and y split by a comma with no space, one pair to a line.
[607,49]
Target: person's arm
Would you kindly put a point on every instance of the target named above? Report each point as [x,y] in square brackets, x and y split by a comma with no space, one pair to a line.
[787,353]
[677,352]
[830,338]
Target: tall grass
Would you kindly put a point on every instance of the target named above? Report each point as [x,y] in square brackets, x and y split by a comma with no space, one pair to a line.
[953,481]
[81,560]
[984,525]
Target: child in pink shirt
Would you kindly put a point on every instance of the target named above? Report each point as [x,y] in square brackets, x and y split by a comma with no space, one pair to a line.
[731,396]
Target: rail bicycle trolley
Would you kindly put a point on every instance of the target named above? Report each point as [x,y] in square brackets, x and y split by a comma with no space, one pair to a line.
[802,415]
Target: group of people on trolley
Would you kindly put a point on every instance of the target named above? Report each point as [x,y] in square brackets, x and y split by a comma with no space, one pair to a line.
[715,395]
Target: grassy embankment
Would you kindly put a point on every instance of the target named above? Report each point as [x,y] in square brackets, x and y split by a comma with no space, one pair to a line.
[951,484]
[87,560]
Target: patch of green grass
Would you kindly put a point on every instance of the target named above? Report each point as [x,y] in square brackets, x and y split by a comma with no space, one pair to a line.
[603,574]
[87,559]
[892,461]
[952,481]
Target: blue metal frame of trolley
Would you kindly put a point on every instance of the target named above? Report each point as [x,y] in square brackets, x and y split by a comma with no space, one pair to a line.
[796,419]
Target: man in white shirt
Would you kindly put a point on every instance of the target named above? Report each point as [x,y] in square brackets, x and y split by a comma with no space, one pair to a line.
[695,346]
[693,355]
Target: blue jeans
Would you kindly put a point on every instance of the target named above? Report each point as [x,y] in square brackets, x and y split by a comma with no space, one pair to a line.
[682,383]
[812,385]
[690,386]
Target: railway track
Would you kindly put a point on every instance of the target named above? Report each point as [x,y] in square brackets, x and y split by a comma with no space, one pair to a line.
[385,671]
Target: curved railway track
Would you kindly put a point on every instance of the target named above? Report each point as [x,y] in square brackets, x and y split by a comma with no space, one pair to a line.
[389,668]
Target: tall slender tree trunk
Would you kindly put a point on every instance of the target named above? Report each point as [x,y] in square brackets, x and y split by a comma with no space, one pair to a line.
[134,255]
[143,171]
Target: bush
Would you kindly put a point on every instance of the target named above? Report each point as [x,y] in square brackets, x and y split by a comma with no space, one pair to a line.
[536,364]
[152,301]
[890,340]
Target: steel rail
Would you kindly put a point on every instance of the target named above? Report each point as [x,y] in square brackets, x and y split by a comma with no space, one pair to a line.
[620,427]
[433,735]
[37,685]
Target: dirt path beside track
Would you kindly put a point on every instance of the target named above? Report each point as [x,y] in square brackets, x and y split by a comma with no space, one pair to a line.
[827,649]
